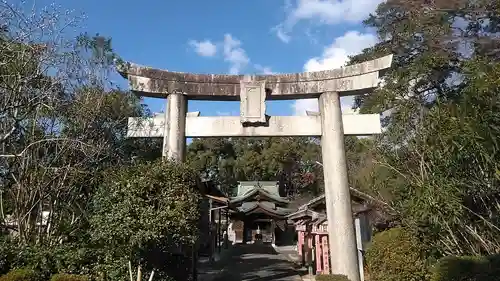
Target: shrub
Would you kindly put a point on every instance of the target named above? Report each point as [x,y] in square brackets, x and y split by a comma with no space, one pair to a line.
[19,275]
[331,277]
[467,269]
[68,277]
[48,260]
[6,256]
[494,261]
[147,214]
[396,255]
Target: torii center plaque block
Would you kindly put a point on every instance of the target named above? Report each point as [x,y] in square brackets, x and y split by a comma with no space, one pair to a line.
[252,104]
[252,91]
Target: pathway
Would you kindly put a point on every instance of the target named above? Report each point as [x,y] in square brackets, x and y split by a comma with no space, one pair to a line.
[258,263]
[290,252]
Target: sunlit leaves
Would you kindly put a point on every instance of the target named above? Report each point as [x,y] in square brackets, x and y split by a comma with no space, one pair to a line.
[439,153]
[146,212]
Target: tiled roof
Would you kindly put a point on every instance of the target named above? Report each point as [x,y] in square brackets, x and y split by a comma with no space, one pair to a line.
[258,191]
[264,208]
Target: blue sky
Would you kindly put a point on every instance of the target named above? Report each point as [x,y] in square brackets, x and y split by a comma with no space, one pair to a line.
[229,36]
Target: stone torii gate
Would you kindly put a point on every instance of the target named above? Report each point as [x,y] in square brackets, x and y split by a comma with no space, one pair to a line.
[253,91]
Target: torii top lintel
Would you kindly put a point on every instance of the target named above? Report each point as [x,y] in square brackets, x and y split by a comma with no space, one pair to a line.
[350,80]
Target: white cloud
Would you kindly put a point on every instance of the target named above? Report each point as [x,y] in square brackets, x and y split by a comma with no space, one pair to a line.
[204,48]
[327,12]
[281,33]
[301,106]
[263,69]
[234,54]
[335,56]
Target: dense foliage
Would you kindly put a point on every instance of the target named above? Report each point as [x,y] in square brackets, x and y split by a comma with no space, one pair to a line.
[20,275]
[68,277]
[294,162]
[437,162]
[61,124]
[467,269]
[397,255]
[290,160]
[147,214]
[75,258]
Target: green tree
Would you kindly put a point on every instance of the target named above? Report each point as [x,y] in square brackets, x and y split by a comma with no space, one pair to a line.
[292,161]
[147,214]
[61,124]
[439,154]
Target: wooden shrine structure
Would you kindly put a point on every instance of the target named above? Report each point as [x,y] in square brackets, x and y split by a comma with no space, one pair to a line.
[257,208]
[259,211]
[215,211]
[252,91]
[311,225]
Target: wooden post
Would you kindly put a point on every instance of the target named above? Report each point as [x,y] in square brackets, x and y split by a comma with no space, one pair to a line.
[300,244]
[318,252]
[226,239]
[194,265]
[219,224]
[210,231]
[308,253]
[326,254]
[273,232]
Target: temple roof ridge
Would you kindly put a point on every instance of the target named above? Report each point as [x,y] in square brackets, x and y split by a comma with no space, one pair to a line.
[261,191]
[254,207]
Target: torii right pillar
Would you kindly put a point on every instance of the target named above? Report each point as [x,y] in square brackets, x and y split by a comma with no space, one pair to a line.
[342,236]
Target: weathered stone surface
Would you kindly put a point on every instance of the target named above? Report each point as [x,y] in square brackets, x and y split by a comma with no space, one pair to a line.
[150,127]
[341,233]
[230,126]
[354,79]
[174,140]
[253,102]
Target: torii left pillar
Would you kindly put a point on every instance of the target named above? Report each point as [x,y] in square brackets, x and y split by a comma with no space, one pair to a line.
[174,138]
[174,143]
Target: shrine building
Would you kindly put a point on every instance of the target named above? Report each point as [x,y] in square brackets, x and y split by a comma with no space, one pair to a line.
[259,213]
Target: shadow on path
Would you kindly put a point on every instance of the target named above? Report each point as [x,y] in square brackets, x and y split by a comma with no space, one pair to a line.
[258,262]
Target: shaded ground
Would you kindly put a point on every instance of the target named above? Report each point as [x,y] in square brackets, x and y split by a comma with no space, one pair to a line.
[258,263]
[290,252]
[208,271]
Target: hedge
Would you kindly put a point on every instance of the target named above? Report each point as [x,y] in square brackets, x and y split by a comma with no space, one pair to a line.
[331,277]
[467,268]
[68,277]
[148,214]
[397,255]
[20,275]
